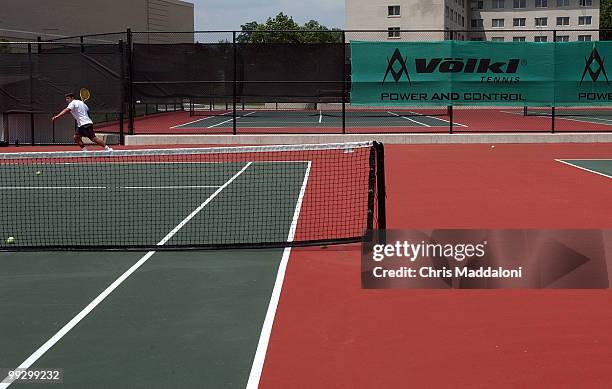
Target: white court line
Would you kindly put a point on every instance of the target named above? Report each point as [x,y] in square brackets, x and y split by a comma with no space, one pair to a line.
[407,118]
[170,187]
[199,120]
[218,124]
[105,187]
[95,302]
[583,168]
[266,329]
[49,187]
[587,119]
[320,116]
[443,120]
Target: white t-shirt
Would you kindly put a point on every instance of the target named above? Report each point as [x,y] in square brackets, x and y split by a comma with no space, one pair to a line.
[79,110]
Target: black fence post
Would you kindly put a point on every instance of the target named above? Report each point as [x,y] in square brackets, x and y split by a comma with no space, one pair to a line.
[82,45]
[123,93]
[31,70]
[130,82]
[344,82]
[552,111]
[235,81]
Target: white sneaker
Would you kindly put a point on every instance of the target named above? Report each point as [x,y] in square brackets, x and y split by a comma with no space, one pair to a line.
[108,148]
[84,149]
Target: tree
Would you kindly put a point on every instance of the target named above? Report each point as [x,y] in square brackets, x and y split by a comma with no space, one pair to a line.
[283,29]
[605,19]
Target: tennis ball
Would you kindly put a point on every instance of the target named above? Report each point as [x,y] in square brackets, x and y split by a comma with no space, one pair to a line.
[492,146]
[10,240]
[38,173]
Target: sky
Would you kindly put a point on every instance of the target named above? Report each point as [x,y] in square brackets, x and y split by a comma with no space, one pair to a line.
[230,14]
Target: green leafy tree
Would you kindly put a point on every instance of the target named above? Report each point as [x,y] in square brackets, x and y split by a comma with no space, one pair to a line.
[605,19]
[283,29]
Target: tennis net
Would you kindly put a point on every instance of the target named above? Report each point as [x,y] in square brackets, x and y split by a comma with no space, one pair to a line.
[201,198]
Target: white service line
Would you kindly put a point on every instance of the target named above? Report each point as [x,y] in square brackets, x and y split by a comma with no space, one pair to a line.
[218,124]
[49,187]
[171,187]
[443,120]
[320,116]
[566,162]
[266,329]
[407,118]
[95,302]
[105,187]
[192,122]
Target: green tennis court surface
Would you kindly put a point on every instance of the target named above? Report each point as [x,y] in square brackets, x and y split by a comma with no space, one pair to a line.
[181,320]
[274,119]
[596,166]
[90,201]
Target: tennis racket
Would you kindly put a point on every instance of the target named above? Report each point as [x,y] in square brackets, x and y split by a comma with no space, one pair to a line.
[85,94]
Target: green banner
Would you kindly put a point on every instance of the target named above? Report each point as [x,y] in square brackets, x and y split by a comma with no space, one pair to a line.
[481,73]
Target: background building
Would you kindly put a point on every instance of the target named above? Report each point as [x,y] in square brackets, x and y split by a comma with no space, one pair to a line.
[27,19]
[504,19]
[498,20]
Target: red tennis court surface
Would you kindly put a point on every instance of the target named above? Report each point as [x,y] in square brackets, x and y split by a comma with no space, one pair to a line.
[465,120]
[330,333]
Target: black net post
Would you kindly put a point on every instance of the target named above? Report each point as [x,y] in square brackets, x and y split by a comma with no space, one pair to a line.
[123,90]
[450,119]
[381,186]
[130,82]
[344,82]
[234,83]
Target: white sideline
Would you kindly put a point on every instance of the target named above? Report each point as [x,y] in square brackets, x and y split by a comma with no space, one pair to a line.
[266,329]
[568,163]
[95,302]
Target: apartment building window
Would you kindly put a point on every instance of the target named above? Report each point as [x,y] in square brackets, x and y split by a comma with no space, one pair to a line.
[497,39]
[518,22]
[584,38]
[393,10]
[393,32]
[462,21]
[541,22]
[541,3]
[586,3]
[478,4]
[562,3]
[584,20]
[540,38]
[518,39]
[497,23]
[562,38]
[447,12]
[477,23]
[563,21]
[498,4]
[520,3]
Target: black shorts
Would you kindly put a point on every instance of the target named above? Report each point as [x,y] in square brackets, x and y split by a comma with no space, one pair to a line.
[86,130]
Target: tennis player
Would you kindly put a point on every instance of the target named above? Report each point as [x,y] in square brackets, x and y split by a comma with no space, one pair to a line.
[79,111]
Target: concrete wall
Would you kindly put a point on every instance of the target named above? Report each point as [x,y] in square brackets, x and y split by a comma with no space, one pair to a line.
[24,19]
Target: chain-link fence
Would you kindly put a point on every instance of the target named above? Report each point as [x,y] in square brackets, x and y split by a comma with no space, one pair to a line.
[239,82]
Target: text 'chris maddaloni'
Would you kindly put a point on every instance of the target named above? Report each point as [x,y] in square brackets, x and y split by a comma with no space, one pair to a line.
[484,259]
